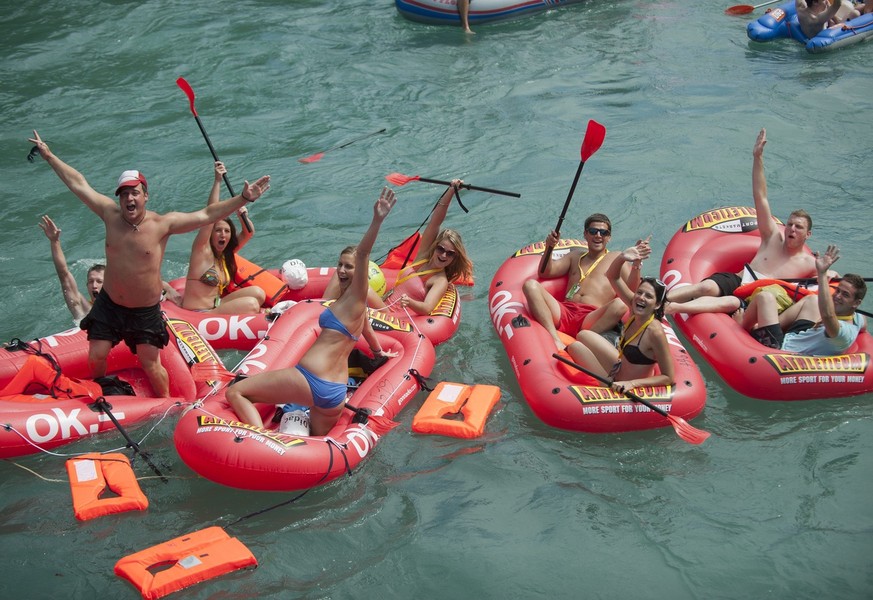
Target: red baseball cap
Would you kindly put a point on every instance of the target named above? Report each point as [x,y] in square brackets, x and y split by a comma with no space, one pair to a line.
[131,179]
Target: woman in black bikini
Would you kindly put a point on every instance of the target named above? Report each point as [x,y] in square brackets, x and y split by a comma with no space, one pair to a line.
[213,265]
[643,343]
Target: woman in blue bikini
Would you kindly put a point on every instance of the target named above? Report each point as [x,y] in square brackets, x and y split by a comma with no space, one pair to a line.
[212,265]
[643,343]
[319,379]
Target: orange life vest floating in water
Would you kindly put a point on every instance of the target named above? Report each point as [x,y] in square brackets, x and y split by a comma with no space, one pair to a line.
[90,475]
[474,403]
[188,559]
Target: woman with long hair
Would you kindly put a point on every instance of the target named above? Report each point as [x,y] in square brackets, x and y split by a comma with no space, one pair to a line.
[643,343]
[319,379]
[212,266]
[421,285]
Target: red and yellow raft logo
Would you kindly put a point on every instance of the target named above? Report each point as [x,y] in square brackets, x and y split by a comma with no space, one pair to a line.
[590,393]
[383,321]
[193,347]
[219,424]
[540,247]
[730,219]
[446,306]
[797,364]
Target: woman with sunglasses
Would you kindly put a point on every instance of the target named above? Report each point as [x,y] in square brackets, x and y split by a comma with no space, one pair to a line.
[212,266]
[420,286]
[643,344]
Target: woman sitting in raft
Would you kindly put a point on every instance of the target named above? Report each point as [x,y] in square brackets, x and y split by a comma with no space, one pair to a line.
[643,343]
[421,286]
[319,379]
[212,266]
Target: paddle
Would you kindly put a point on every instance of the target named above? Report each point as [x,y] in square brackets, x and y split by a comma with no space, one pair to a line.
[690,434]
[214,371]
[400,179]
[190,93]
[106,408]
[744,9]
[594,135]
[815,279]
[319,155]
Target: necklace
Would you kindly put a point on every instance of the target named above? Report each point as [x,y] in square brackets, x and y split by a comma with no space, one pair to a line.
[134,226]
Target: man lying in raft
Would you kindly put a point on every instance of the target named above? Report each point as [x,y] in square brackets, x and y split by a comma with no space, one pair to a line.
[819,324]
[781,254]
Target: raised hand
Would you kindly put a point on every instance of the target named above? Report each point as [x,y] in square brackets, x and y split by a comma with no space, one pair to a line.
[253,191]
[386,201]
[52,231]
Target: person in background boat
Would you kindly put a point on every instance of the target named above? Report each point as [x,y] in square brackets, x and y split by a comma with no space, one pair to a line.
[212,266]
[128,306]
[464,13]
[590,301]
[816,15]
[319,379]
[643,343]
[818,324]
[77,303]
[780,255]
[420,286]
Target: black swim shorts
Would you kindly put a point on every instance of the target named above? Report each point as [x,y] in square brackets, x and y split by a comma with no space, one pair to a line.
[727,282]
[109,321]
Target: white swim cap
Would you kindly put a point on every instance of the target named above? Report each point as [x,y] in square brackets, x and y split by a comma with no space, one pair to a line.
[294,274]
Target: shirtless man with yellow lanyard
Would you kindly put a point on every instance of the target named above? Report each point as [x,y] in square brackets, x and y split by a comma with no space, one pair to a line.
[590,301]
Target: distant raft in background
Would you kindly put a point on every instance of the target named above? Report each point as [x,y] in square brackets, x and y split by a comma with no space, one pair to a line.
[782,22]
[443,12]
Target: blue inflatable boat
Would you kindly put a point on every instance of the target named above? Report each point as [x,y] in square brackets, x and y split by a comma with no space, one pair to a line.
[782,22]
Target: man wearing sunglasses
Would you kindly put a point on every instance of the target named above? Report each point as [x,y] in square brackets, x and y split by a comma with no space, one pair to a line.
[589,301]
[781,254]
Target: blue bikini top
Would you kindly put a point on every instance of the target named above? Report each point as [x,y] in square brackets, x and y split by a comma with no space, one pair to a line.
[327,320]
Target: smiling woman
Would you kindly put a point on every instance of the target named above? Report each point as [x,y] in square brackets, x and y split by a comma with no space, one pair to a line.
[421,286]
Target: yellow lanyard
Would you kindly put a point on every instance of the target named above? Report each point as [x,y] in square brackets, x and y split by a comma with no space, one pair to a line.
[572,291]
[412,274]
[624,342]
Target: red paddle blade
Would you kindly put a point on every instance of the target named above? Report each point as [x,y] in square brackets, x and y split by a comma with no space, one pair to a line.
[594,137]
[407,249]
[311,159]
[739,9]
[182,83]
[400,179]
[690,434]
[210,371]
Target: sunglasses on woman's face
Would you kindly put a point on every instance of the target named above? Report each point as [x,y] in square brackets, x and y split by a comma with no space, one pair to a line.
[448,253]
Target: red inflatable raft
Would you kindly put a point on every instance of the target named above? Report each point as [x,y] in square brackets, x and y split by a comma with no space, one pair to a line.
[47,400]
[559,396]
[211,440]
[725,239]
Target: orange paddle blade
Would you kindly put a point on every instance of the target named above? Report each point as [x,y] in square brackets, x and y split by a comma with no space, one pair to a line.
[311,159]
[400,178]
[739,9]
